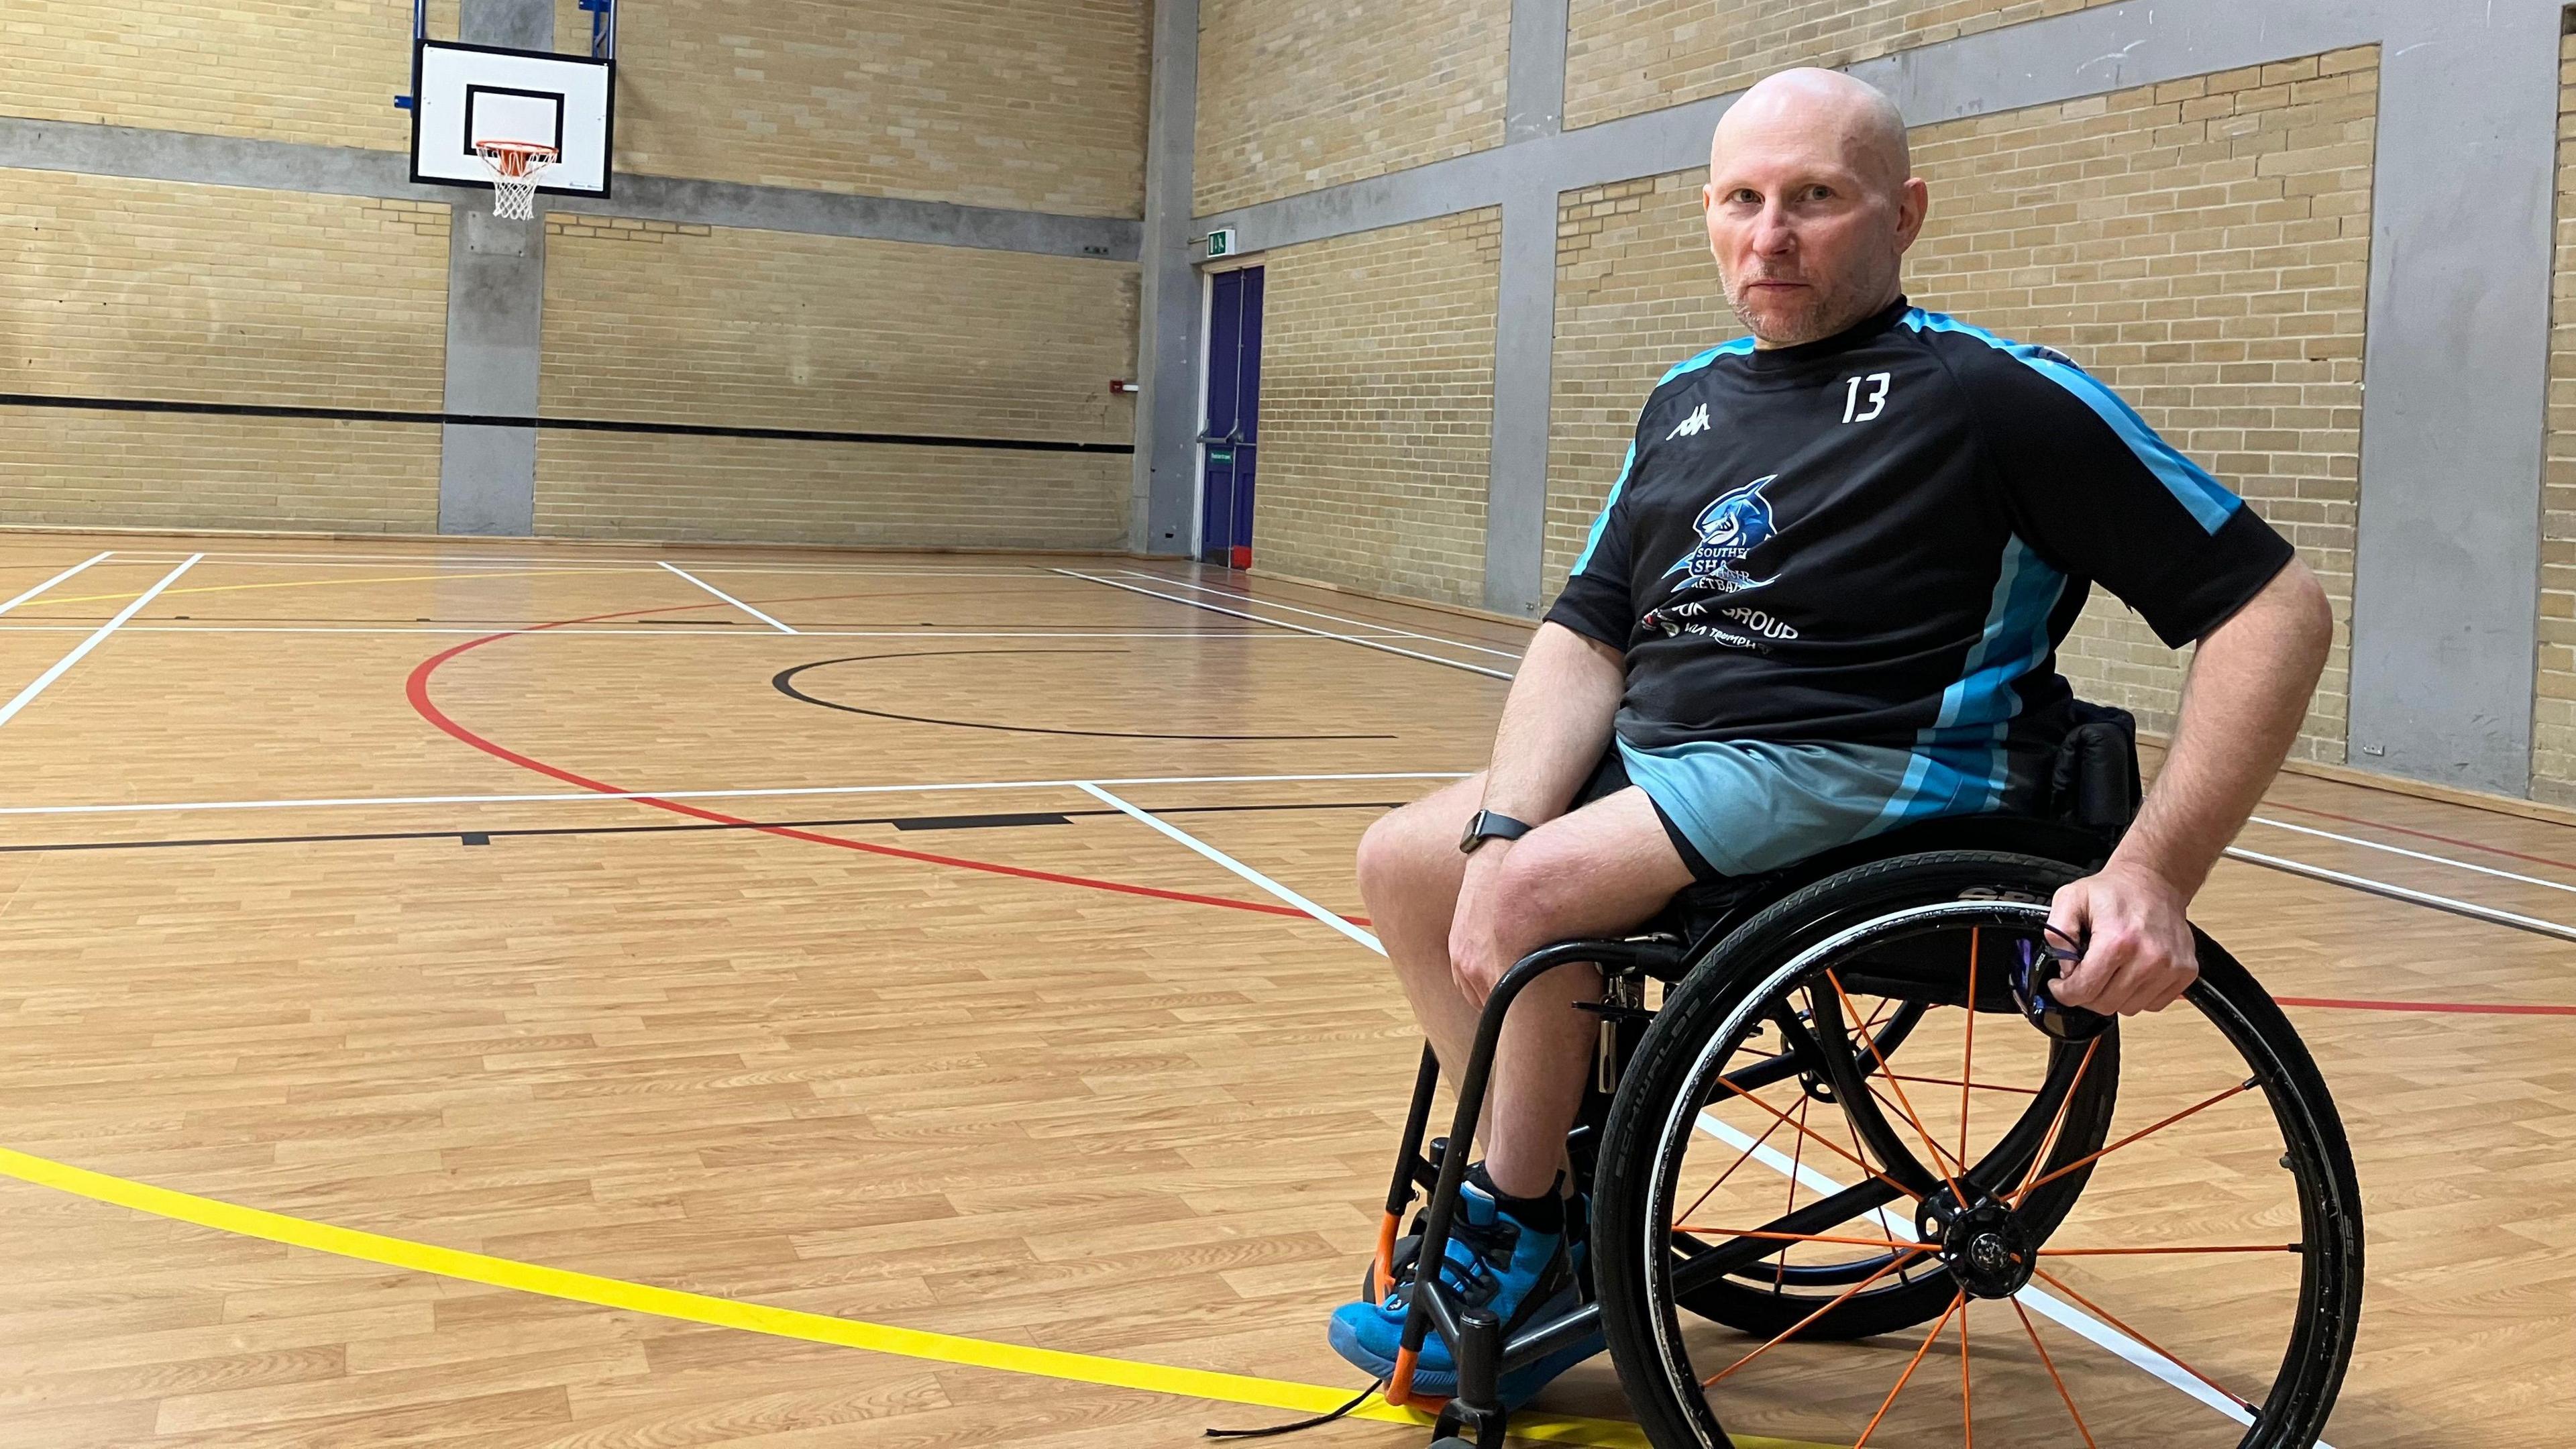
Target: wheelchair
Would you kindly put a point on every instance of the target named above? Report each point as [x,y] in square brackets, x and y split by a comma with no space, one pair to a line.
[1856,1111]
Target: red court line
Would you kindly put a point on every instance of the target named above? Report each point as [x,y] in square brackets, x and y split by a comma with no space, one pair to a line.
[2421,834]
[2462,1008]
[416,689]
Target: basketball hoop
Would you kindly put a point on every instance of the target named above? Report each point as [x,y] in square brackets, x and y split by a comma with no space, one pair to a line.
[515,165]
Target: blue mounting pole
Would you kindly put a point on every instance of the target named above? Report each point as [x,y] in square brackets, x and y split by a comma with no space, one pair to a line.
[603,28]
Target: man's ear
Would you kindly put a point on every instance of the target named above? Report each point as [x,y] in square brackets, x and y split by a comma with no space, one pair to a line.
[1913,203]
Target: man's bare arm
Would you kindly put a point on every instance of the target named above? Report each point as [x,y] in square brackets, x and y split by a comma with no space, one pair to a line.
[2247,691]
[1555,724]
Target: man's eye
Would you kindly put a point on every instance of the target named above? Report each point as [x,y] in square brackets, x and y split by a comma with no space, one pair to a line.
[1745,196]
[1820,193]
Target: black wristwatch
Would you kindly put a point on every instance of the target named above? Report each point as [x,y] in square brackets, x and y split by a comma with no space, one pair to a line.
[1487,825]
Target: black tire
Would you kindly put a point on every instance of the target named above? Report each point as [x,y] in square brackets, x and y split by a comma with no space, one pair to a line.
[1709,1015]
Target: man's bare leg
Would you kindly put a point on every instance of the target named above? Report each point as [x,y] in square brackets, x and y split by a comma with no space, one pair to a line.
[1602,868]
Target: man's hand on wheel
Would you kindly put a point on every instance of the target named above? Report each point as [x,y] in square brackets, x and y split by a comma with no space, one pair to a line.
[2138,953]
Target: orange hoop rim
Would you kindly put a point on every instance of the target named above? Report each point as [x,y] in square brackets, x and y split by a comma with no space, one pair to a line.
[515,159]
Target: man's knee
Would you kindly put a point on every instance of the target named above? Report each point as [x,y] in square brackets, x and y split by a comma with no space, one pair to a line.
[1395,858]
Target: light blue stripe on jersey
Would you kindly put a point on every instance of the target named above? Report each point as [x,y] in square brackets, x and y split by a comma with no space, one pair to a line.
[1959,765]
[1601,520]
[2207,500]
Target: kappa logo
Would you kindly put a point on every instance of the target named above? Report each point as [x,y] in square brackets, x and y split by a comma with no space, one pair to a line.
[1691,426]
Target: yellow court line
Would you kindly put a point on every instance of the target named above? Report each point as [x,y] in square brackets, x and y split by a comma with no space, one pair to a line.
[1279,1394]
[314,584]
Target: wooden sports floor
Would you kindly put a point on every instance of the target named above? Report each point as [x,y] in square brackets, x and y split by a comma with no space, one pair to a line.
[852,966]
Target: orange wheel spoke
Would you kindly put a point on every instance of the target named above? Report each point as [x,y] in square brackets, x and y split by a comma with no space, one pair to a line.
[1911,1116]
[1836,1147]
[2170,1356]
[1967,1074]
[2123,1252]
[2249,1084]
[1740,1159]
[1768,1236]
[2048,1140]
[1954,1081]
[1903,1256]
[2051,1365]
[1967,1415]
[1910,1367]
[1942,1161]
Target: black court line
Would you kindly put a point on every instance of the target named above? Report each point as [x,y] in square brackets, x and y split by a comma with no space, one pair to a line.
[785,683]
[576,425]
[487,837]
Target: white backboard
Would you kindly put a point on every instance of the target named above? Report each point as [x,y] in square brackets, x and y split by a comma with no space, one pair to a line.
[468,93]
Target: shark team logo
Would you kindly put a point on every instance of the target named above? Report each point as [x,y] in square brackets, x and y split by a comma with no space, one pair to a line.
[1729,529]
[1692,426]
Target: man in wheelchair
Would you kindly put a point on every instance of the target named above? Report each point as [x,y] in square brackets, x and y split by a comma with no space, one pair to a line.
[1821,602]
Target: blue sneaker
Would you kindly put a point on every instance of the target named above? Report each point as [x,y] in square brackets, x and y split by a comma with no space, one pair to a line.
[1494,1261]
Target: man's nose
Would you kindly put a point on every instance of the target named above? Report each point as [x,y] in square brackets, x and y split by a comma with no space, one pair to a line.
[1772,234]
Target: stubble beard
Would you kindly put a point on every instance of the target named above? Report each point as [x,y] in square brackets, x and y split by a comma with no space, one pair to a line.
[1816,313]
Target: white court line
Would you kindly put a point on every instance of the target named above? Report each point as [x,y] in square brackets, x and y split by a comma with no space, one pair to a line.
[1284,624]
[2415,854]
[56,579]
[2044,1303]
[1315,614]
[28,695]
[2401,893]
[728,598]
[1356,933]
[927,788]
[650,631]
[598,566]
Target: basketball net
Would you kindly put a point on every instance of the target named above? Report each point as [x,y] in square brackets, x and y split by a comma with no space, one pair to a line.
[515,165]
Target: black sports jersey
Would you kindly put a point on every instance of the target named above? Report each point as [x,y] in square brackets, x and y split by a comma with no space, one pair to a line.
[1840,572]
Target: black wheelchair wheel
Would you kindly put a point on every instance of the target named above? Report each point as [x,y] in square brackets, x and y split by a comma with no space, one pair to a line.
[1835,1067]
[1978,1172]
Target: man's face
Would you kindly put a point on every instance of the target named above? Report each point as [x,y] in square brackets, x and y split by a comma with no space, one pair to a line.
[1808,240]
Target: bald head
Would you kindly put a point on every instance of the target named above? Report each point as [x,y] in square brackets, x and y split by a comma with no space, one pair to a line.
[1811,204]
[1823,107]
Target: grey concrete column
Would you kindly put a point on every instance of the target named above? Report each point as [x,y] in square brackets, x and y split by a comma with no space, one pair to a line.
[1524,362]
[1525,319]
[496,288]
[2446,572]
[1163,505]
[1535,103]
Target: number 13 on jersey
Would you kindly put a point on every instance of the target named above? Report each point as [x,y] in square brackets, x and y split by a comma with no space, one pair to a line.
[1860,409]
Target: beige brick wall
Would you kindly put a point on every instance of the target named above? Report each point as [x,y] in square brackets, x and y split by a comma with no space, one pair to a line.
[618,485]
[290,70]
[1627,56]
[732,327]
[1377,379]
[1636,292]
[2200,246]
[156,290]
[1031,104]
[780,329]
[1300,94]
[2553,719]
[174,470]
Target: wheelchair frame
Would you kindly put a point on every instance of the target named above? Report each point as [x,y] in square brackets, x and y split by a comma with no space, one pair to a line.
[1684,933]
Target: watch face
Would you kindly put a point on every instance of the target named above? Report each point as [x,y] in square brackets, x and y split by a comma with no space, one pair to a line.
[1468,839]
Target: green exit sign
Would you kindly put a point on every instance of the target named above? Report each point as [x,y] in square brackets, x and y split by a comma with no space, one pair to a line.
[1220,243]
